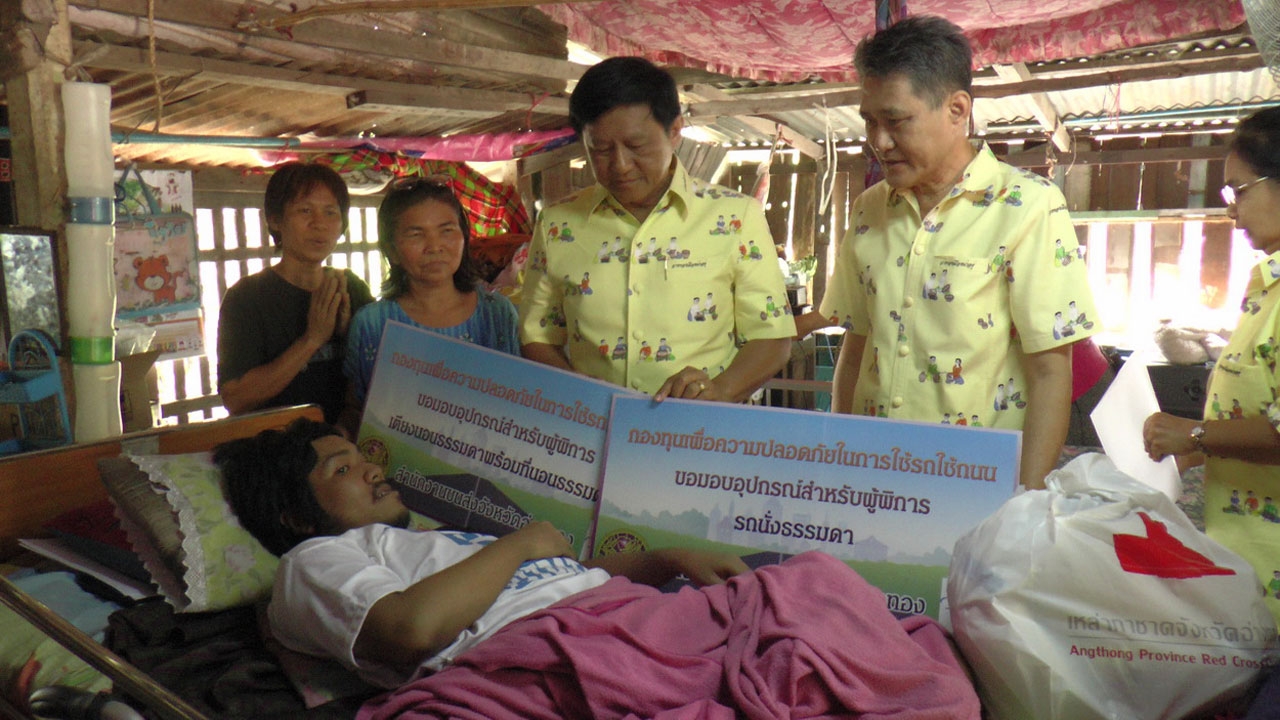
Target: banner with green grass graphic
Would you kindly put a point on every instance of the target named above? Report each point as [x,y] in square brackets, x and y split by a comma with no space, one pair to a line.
[485,441]
[888,497]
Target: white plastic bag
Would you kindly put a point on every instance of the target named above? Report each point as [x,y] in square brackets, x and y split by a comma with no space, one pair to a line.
[1098,598]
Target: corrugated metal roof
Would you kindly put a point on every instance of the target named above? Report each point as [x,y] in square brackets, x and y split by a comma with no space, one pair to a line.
[1190,100]
[434,74]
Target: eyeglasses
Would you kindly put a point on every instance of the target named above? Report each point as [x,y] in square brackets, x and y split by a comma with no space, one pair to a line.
[1231,194]
[425,181]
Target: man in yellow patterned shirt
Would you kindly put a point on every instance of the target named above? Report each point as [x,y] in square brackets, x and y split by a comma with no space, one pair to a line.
[960,283]
[652,279]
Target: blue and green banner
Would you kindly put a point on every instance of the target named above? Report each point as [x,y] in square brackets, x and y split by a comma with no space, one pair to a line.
[481,440]
[888,497]
[485,441]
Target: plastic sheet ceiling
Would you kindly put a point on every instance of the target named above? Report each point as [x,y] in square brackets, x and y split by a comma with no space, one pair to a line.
[789,40]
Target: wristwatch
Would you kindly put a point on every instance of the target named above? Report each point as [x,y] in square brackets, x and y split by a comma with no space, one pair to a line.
[1197,438]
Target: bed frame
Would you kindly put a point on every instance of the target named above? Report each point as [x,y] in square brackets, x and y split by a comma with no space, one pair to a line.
[39,486]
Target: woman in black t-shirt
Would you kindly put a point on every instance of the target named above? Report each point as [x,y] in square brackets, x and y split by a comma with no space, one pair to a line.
[281,331]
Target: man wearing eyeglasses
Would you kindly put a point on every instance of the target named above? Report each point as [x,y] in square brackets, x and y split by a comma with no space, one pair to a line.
[999,236]
[679,239]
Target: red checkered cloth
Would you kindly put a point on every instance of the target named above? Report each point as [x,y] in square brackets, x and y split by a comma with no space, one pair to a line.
[499,222]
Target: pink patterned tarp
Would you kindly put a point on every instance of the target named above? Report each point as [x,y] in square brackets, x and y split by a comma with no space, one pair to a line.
[789,40]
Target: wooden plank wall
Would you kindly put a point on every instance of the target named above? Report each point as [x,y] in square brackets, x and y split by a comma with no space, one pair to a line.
[1215,265]
[1125,187]
[189,392]
[793,215]
[1171,185]
[1117,187]
[793,207]
[700,159]
[1167,185]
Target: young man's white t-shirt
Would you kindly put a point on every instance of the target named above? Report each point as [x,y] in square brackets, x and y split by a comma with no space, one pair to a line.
[326,586]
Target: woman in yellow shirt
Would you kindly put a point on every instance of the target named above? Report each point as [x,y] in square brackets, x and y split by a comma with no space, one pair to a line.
[1241,450]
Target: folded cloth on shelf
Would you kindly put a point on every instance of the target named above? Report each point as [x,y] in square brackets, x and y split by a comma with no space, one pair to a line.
[808,637]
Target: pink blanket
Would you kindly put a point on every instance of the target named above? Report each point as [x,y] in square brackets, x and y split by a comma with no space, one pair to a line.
[805,639]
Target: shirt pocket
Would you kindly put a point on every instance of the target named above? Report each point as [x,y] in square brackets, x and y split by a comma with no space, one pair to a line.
[1240,388]
[700,288]
[963,290]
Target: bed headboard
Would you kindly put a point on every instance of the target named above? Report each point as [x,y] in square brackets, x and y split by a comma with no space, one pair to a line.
[39,486]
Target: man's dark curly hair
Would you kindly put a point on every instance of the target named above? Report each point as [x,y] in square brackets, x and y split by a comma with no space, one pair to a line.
[266,478]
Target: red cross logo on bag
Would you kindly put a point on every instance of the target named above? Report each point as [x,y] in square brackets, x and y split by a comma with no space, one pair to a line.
[1162,554]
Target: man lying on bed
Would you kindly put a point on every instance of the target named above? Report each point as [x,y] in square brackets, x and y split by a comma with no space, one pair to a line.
[471,626]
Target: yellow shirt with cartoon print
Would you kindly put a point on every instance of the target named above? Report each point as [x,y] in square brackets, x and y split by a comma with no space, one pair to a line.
[1242,499]
[952,302]
[633,302]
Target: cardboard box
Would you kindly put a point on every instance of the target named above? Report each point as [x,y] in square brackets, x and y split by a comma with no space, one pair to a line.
[139,391]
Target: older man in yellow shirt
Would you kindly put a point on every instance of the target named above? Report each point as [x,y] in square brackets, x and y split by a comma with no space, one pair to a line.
[960,283]
[652,279]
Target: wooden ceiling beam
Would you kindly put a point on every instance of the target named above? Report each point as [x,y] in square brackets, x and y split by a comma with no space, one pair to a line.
[403,96]
[269,18]
[560,156]
[1242,63]
[135,60]
[757,105]
[1036,158]
[799,91]
[428,99]
[786,133]
[763,125]
[1042,108]
[1137,58]
[222,16]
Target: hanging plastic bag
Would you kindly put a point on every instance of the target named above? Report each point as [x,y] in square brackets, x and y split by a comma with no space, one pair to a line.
[1097,598]
[155,256]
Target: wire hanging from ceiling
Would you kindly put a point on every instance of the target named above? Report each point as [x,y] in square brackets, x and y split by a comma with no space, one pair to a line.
[827,185]
[151,61]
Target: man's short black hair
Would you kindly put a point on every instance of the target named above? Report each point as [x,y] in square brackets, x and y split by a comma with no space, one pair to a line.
[294,180]
[620,81]
[931,51]
[1257,142]
[267,483]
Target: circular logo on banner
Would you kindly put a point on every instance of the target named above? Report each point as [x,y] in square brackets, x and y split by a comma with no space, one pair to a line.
[621,541]
[375,451]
